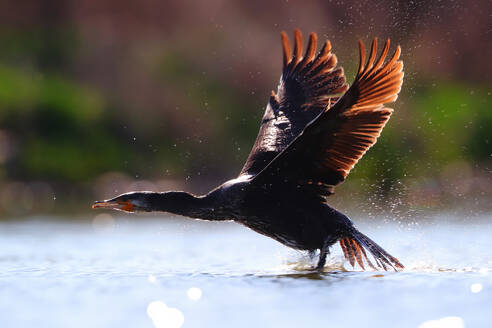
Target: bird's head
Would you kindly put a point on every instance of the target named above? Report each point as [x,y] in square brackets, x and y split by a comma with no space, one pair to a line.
[129,202]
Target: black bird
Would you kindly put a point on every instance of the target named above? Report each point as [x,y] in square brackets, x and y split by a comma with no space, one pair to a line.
[314,130]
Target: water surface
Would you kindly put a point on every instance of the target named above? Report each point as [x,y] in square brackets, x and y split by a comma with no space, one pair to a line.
[171,272]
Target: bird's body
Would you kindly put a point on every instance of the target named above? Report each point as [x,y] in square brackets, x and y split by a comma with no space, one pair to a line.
[309,139]
[295,221]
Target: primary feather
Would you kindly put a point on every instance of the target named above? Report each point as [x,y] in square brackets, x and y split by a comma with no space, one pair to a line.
[322,155]
[307,86]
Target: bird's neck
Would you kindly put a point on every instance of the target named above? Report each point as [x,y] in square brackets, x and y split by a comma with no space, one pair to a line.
[182,203]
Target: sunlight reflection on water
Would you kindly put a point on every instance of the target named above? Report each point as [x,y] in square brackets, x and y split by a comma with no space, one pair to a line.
[163,316]
[152,279]
[476,288]
[194,293]
[446,322]
[138,272]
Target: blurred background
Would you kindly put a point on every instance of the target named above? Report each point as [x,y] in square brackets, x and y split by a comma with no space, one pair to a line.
[103,97]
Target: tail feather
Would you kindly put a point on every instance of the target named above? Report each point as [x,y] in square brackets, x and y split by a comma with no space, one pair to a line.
[363,251]
[351,250]
[357,252]
[354,246]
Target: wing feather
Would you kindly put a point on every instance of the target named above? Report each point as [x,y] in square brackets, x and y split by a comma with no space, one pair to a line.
[324,153]
[308,86]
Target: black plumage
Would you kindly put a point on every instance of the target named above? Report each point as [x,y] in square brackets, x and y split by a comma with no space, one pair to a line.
[313,132]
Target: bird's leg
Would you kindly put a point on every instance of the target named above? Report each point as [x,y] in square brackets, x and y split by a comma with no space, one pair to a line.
[323,252]
[312,254]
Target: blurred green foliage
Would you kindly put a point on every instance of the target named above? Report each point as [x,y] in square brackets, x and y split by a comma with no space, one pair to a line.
[66,129]
[58,125]
[66,117]
[441,122]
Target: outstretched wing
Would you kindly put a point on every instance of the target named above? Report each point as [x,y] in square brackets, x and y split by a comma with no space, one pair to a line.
[306,88]
[324,153]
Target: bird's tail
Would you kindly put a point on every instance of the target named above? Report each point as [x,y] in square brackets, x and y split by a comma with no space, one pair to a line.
[354,246]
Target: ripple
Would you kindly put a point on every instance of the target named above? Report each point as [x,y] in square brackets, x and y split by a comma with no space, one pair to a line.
[142,265]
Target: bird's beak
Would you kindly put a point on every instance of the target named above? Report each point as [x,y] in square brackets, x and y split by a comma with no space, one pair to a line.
[114,205]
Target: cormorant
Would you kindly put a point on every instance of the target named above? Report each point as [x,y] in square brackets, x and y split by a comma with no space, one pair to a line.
[314,130]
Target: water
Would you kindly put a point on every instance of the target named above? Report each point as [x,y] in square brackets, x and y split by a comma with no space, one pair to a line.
[170,272]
